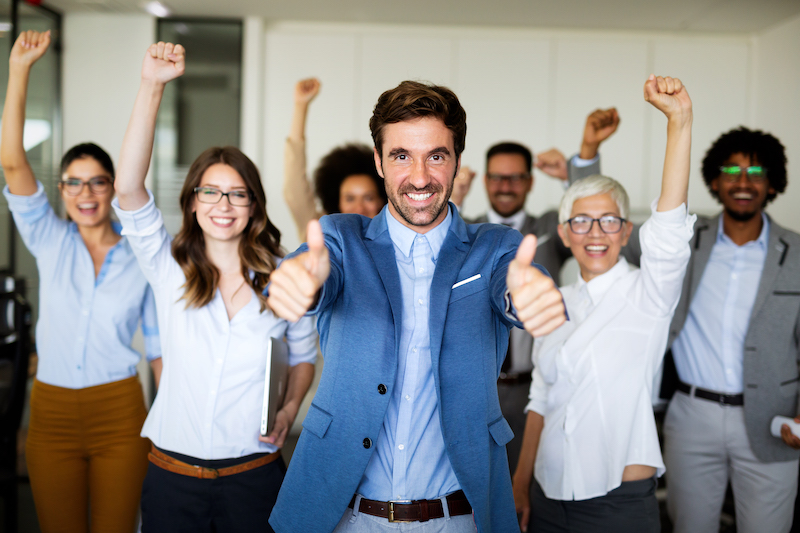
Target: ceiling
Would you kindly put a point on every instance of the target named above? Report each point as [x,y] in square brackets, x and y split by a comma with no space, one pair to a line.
[729,16]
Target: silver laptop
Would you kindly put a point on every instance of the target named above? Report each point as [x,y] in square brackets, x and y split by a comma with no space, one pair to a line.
[275,380]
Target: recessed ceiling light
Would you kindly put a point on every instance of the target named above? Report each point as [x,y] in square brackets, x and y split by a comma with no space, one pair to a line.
[157,9]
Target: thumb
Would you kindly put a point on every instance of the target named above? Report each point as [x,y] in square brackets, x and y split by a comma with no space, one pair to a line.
[526,250]
[316,246]
[650,88]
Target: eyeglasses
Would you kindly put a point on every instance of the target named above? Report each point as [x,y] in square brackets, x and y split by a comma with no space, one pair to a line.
[74,186]
[513,179]
[582,224]
[732,172]
[210,195]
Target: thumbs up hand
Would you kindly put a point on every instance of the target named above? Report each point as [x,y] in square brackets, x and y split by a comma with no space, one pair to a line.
[537,300]
[295,284]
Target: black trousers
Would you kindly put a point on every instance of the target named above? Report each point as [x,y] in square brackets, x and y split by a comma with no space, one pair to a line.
[174,503]
[630,508]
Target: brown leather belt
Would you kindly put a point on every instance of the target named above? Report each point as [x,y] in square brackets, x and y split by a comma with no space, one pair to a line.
[170,464]
[416,510]
[723,399]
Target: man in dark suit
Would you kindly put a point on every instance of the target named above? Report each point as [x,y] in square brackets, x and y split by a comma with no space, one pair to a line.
[414,308]
[735,339]
[509,180]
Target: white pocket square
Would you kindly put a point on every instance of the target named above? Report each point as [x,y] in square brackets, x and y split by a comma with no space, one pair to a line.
[464,282]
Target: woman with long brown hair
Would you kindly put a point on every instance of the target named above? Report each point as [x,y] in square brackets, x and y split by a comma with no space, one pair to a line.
[210,470]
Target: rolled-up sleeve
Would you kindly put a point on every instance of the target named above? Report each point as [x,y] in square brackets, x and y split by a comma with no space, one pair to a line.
[38,225]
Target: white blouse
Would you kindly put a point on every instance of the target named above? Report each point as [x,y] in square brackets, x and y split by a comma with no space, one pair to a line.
[593,376]
[212,384]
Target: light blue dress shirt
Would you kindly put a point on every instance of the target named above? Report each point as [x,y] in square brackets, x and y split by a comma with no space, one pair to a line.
[410,461]
[709,351]
[86,324]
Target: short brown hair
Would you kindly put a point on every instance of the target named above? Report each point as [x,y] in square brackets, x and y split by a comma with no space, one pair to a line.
[258,248]
[411,100]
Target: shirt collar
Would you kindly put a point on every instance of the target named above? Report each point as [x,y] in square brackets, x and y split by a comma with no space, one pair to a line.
[515,221]
[598,286]
[403,237]
[761,242]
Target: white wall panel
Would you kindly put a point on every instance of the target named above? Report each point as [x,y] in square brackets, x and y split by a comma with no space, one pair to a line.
[503,85]
[331,117]
[602,72]
[715,72]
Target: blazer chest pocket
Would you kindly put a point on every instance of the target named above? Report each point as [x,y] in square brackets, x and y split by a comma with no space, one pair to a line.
[462,290]
[317,421]
[501,431]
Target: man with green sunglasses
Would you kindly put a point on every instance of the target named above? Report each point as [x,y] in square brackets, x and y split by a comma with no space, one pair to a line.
[734,340]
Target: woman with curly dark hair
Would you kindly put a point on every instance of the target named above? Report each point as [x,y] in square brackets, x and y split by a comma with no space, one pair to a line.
[346,180]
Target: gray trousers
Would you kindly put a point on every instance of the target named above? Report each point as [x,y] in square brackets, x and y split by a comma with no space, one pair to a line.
[705,445]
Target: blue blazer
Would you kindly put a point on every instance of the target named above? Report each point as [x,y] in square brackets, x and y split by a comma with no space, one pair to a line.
[359,320]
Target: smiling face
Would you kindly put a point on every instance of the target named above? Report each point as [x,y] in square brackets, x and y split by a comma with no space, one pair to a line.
[222,221]
[741,199]
[418,164]
[87,208]
[596,252]
[358,194]
[507,196]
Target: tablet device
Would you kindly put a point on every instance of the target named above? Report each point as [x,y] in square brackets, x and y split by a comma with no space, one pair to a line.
[275,380]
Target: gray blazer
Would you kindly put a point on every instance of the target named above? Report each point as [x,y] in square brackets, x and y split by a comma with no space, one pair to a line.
[772,344]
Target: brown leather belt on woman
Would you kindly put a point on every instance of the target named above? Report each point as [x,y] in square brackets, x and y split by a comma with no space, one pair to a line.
[416,510]
[170,464]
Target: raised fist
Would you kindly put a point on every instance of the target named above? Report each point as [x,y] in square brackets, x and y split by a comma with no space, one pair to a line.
[28,48]
[600,125]
[669,96]
[163,62]
[306,90]
[553,163]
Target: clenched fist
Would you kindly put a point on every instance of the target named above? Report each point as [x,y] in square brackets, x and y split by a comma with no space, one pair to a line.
[163,62]
[295,283]
[538,302]
[28,48]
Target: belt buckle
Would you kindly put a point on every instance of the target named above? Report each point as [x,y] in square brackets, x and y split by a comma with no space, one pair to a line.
[391,510]
[206,473]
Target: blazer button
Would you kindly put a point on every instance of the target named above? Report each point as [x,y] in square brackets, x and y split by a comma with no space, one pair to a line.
[367,443]
[382,388]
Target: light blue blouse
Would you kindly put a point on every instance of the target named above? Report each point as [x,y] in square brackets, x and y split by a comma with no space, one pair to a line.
[86,324]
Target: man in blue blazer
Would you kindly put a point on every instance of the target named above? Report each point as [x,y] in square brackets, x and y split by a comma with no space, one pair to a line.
[414,309]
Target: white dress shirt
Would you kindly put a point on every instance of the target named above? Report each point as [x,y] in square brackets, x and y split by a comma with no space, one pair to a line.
[593,376]
[212,386]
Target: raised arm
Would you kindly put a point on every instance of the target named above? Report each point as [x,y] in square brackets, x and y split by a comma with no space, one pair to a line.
[669,96]
[297,191]
[163,62]
[600,125]
[28,48]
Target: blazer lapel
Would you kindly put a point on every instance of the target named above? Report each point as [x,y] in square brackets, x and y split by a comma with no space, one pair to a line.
[777,247]
[380,247]
[451,256]
[705,235]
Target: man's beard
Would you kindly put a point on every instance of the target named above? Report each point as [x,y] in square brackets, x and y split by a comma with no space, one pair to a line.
[431,213]
[740,217]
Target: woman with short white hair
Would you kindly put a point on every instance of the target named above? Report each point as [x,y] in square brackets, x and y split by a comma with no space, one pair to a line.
[590,439]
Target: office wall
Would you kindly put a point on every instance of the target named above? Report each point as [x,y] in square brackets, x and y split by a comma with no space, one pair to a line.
[777,107]
[533,86]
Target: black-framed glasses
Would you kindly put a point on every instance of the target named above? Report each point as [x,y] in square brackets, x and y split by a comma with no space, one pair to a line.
[74,186]
[582,224]
[210,195]
[511,178]
[732,172]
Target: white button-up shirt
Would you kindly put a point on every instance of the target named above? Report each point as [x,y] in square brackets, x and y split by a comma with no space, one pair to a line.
[212,385]
[593,376]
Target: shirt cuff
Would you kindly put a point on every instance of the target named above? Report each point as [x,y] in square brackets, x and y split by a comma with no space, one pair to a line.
[510,310]
[674,218]
[144,221]
[582,163]
[30,207]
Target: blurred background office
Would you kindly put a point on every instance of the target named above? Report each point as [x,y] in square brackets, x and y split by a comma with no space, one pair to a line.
[526,71]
